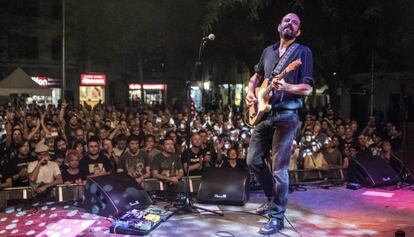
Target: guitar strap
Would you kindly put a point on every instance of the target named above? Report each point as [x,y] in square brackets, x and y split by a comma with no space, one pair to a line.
[284,59]
[282,62]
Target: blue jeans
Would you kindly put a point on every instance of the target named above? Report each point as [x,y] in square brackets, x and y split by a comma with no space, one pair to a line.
[275,133]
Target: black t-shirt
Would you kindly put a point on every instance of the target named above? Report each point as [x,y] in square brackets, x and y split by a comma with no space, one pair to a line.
[192,158]
[4,171]
[16,165]
[89,166]
[66,176]
[240,164]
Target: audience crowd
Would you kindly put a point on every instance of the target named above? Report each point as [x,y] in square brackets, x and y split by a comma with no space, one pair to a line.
[45,146]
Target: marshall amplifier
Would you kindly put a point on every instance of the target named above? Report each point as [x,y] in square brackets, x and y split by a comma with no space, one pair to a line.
[224,186]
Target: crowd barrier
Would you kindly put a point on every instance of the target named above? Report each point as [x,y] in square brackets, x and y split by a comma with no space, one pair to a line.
[64,193]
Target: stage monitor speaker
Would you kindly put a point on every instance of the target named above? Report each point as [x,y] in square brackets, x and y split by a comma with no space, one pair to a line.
[224,186]
[114,194]
[371,172]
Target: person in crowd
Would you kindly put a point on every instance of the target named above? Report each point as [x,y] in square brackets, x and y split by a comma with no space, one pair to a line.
[318,135]
[60,148]
[95,163]
[332,155]
[5,174]
[108,151]
[79,145]
[192,158]
[376,146]
[386,152]
[395,138]
[71,174]
[18,165]
[313,157]
[362,146]
[167,165]
[120,145]
[149,147]
[232,161]
[135,162]
[44,174]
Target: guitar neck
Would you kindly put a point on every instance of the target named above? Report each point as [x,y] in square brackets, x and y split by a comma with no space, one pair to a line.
[278,76]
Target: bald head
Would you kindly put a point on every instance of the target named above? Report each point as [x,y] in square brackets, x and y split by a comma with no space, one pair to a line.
[289,27]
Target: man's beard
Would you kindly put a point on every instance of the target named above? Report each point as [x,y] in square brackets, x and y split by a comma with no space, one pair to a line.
[287,33]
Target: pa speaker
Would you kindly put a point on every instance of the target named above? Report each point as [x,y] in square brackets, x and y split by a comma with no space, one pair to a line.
[224,186]
[114,194]
[371,172]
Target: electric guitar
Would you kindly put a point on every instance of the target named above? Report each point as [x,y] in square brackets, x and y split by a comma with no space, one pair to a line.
[261,106]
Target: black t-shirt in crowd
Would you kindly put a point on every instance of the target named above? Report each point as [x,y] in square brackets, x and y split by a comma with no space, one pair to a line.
[66,176]
[240,164]
[4,171]
[16,165]
[89,166]
[192,158]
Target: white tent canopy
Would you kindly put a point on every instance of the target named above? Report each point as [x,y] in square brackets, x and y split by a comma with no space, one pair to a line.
[18,82]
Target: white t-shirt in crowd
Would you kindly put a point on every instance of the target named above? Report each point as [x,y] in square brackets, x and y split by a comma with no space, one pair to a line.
[47,173]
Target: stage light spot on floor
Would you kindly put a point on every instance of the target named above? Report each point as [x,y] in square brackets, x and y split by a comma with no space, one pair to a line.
[30,232]
[53,208]
[97,228]
[43,215]
[66,230]
[86,215]
[10,227]
[66,207]
[53,215]
[72,213]
[15,221]
[3,219]
[20,213]
[9,210]
[56,234]
[378,194]
[14,231]
[42,224]
[44,208]
[85,224]
[28,222]
[51,225]
[2,231]
[50,203]
[35,204]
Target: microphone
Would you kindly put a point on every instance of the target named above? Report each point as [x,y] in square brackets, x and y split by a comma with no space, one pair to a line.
[210,37]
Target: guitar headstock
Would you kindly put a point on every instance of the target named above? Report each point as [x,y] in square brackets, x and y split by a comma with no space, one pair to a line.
[293,65]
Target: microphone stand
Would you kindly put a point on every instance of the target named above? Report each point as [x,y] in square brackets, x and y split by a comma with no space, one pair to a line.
[187,205]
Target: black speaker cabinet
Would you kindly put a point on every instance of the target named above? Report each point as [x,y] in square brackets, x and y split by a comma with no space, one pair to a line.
[371,172]
[114,194]
[224,186]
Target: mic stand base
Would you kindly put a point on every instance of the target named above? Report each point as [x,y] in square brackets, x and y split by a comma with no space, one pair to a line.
[188,208]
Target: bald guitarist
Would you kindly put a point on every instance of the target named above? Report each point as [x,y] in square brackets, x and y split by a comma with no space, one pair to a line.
[276,131]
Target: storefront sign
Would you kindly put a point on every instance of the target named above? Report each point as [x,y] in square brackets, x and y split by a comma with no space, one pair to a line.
[147,86]
[47,82]
[93,80]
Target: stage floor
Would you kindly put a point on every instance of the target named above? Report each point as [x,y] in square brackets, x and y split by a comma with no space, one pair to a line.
[314,212]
